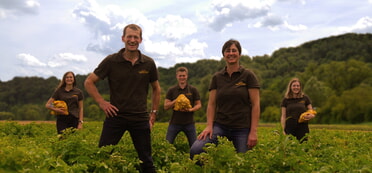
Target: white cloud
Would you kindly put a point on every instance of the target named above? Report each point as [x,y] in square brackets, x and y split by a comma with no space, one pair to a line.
[73,57]
[186,59]
[215,57]
[30,60]
[34,71]
[106,24]
[175,27]
[275,22]
[299,27]
[171,50]
[245,51]
[161,48]
[294,1]
[272,22]
[18,7]
[364,24]
[227,12]
[195,48]
[91,10]
[64,59]
[161,36]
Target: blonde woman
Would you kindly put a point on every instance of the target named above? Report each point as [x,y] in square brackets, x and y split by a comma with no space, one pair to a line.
[294,103]
[73,96]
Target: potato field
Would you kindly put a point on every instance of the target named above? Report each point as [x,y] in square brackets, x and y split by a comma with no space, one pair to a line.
[36,147]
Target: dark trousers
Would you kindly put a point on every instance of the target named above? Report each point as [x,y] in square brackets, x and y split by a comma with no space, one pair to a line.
[299,130]
[239,138]
[188,129]
[115,127]
[66,121]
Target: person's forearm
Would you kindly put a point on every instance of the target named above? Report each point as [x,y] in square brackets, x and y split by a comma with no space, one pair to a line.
[196,107]
[81,111]
[255,114]
[282,122]
[210,115]
[283,117]
[211,108]
[255,118]
[155,103]
[155,99]
[168,104]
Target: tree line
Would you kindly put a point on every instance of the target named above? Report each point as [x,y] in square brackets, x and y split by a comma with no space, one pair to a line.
[336,72]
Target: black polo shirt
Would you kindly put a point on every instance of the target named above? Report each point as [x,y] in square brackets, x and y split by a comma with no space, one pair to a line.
[129,84]
[233,105]
[295,106]
[179,117]
[71,98]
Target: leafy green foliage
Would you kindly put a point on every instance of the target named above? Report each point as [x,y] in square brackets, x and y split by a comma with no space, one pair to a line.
[38,148]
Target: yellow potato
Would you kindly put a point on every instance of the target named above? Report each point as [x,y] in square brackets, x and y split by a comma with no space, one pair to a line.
[302,118]
[59,104]
[182,103]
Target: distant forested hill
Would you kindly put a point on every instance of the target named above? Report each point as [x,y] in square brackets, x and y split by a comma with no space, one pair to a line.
[336,72]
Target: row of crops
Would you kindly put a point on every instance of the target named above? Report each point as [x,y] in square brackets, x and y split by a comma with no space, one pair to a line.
[37,148]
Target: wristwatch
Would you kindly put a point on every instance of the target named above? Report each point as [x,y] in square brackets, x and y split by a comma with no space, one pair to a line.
[81,121]
[155,112]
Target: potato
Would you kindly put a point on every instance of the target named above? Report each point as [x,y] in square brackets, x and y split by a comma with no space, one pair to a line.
[182,103]
[59,104]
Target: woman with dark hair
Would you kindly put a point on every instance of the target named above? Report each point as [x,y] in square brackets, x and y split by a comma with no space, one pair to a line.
[234,104]
[295,103]
[72,116]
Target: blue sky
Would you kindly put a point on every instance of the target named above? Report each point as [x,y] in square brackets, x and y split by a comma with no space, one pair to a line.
[47,38]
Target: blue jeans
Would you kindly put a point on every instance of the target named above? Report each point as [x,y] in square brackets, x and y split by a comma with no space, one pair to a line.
[115,127]
[239,137]
[188,129]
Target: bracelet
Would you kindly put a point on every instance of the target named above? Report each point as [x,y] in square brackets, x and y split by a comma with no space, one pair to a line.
[155,112]
[81,121]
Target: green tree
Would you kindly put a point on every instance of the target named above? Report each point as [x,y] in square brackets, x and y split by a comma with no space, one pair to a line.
[94,113]
[6,116]
[30,112]
[342,76]
[269,100]
[317,91]
[271,114]
[357,104]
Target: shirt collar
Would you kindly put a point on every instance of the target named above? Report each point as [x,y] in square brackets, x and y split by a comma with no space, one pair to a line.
[224,71]
[179,88]
[120,58]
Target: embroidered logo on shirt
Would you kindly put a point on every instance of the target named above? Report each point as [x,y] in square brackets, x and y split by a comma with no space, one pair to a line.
[143,72]
[240,84]
[75,95]
[188,94]
[302,101]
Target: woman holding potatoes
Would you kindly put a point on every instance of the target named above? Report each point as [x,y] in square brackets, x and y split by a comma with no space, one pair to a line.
[70,115]
[296,111]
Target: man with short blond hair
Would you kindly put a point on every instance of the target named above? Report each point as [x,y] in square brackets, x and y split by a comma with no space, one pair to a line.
[182,120]
[129,74]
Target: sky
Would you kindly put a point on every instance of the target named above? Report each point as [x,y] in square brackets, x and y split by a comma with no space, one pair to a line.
[47,38]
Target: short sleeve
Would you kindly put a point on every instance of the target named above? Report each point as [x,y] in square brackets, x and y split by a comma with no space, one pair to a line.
[103,68]
[213,84]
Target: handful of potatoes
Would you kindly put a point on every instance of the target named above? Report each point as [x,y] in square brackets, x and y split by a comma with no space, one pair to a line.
[182,103]
[303,118]
[59,104]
